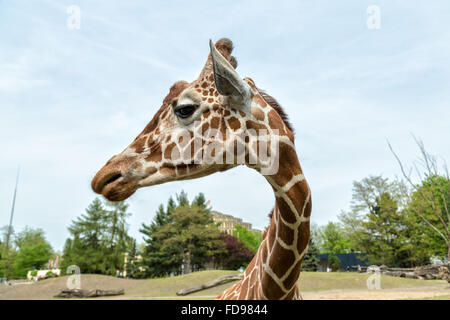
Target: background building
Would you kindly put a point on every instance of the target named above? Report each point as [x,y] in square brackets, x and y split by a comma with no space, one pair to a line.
[228,222]
[349,261]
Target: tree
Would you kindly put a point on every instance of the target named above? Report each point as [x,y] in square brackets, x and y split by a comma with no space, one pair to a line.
[2,253]
[132,267]
[199,200]
[33,251]
[311,260]
[7,252]
[154,260]
[182,232]
[182,199]
[377,225]
[117,229]
[382,231]
[433,242]
[353,228]
[236,254]
[431,198]
[191,237]
[333,239]
[368,191]
[333,262]
[316,234]
[251,239]
[100,239]
[86,249]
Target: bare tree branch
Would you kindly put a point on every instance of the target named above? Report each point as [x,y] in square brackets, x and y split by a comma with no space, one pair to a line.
[431,174]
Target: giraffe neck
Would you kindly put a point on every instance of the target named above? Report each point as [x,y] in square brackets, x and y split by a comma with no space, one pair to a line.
[287,237]
[275,268]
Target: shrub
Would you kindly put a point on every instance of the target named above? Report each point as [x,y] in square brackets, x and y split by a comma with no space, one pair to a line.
[334,262]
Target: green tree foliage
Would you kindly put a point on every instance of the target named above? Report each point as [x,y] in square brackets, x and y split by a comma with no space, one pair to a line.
[333,239]
[383,227]
[155,261]
[379,226]
[99,239]
[316,234]
[430,199]
[7,254]
[2,255]
[251,239]
[429,207]
[191,237]
[352,223]
[132,266]
[199,200]
[311,260]
[333,262]
[182,199]
[182,233]
[33,251]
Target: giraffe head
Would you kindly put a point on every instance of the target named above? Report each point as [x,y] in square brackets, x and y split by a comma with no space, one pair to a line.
[211,124]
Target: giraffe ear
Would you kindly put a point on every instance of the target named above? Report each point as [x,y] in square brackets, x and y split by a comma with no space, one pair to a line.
[227,80]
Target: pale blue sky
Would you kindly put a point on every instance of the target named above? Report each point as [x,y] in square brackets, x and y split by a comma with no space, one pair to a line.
[70,99]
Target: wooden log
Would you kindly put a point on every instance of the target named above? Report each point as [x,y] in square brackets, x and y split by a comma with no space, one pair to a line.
[394,273]
[80,293]
[218,281]
[400,269]
[428,272]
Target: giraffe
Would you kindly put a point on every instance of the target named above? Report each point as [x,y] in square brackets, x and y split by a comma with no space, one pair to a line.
[177,144]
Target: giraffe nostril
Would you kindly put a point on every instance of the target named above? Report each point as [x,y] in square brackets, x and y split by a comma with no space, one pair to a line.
[101,180]
[112,179]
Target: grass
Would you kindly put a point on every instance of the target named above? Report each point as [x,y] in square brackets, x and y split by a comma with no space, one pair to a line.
[166,288]
[443,297]
[446,297]
[134,289]
[319,281]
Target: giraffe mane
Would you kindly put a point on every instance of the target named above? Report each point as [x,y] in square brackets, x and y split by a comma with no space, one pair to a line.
[266,229]
[274,104]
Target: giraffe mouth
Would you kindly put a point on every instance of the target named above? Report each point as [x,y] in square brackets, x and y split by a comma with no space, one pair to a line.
[113,186]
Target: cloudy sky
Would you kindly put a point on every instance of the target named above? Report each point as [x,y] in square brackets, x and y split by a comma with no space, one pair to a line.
[72,98]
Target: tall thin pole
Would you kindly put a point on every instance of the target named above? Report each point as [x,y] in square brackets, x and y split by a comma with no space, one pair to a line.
[8,235]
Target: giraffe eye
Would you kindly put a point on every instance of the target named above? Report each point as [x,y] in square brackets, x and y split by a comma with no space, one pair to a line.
[185,111]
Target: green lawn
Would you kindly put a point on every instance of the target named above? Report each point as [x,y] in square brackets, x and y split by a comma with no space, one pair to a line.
[166,288]
[309,281]
[446,297]
[318,281]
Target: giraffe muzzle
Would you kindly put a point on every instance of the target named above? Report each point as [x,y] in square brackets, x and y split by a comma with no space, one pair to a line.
[112,184]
